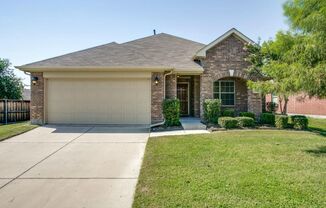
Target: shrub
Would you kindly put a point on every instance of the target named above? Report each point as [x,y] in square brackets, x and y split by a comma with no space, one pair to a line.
[271,106]
[247,114]
[281,121]
[228,122]
[299,122]
[267,118]
[212,110]
[246,121]
[171,112]
[229,112]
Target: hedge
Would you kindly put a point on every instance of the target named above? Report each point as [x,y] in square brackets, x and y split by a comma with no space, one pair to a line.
[267,118]
[212,110]
[246,121]
[229,112]
[228,122]
[281,121]
[247,114]
[171,112]
[299,122]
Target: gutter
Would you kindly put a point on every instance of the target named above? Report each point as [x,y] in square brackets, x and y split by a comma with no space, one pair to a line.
[164,89]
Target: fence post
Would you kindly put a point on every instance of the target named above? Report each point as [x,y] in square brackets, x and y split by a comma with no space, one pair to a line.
[6,111]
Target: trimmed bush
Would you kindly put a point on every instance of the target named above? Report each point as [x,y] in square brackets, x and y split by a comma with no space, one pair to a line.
[212,110]
[281,121]
[246,121]
[267,118]
[299,122]
[171,112]
[229,112]
[228,122]
[247,114]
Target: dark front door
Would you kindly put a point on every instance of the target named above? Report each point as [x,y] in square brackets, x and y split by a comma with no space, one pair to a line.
[183,96]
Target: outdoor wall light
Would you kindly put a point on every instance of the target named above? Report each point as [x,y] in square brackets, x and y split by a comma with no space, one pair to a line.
[34,80]
[156,80]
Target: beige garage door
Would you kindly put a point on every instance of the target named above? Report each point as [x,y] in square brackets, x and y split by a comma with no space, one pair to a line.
[98,101]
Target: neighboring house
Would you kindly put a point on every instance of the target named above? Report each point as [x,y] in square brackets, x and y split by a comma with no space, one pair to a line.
[304,105]
[127,83]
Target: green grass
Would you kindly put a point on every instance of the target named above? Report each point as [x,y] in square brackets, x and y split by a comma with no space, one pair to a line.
[318,124]
[10,130]
[258,168]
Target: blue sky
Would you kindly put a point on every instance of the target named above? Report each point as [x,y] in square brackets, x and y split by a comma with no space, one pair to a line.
[34,30]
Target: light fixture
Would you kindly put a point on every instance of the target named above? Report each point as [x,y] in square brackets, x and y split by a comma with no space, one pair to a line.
[34,80]
[156,80]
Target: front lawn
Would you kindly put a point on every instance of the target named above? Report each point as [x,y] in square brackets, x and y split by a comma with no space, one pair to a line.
[258,168]
[7,131]
[318,124]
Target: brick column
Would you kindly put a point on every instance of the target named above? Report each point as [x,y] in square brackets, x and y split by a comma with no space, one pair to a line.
[197,96]
[206,91]
[157,98]
[37,99]
[171,86]
[254,102]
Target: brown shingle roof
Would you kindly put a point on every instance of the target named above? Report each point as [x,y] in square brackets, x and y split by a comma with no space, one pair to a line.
[162,50]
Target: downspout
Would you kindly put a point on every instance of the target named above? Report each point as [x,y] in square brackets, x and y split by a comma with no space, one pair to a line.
[164,93]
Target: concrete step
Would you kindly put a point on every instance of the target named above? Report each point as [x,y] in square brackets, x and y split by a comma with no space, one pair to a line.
[191,123]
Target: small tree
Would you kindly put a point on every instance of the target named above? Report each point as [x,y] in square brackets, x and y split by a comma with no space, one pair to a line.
[11,87]
[270,61]
[295,61]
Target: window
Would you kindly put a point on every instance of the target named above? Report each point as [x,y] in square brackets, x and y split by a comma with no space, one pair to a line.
[225,91]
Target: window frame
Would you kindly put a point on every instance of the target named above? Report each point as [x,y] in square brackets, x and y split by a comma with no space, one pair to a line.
[219,93]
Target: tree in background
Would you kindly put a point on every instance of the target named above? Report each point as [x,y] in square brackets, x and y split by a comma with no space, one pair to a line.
[11,87]
[295,61]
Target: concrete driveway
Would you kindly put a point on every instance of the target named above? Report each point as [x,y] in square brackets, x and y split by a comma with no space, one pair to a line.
[71,166]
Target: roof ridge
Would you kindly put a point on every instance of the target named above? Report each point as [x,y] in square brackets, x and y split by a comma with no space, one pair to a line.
[182,38]
[160,34]
[98,46]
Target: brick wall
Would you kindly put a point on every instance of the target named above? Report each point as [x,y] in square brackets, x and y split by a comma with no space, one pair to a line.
[196,96]
[37,99]
[157,98]
[254,102]
[171,86]
[301,104]
[227,55]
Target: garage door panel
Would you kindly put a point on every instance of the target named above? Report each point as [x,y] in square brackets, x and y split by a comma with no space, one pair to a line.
[98,101]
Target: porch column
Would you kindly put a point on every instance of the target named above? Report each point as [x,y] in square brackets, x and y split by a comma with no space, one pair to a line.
[254,102]
[197,96]
[206,91]
[171,86]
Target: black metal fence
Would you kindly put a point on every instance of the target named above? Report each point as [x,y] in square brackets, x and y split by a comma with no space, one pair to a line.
[14,110]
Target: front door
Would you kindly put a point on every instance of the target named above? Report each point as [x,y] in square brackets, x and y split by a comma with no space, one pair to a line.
[183,96]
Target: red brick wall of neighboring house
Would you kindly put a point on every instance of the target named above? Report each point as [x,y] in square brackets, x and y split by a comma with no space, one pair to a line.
[304,105]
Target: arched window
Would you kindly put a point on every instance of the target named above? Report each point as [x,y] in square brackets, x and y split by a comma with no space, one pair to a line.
[225,91]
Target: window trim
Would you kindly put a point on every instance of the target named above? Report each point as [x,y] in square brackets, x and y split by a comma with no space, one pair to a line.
[219,92]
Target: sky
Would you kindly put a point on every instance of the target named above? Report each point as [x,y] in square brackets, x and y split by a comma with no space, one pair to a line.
[34,30]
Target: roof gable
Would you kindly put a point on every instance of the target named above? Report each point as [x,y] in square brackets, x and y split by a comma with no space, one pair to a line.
[233,31]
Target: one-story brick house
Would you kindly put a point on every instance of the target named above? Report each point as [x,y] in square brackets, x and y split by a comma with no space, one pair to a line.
[127,83]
